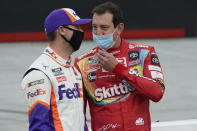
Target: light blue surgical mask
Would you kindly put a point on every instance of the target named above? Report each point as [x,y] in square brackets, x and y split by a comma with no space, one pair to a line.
[104,41]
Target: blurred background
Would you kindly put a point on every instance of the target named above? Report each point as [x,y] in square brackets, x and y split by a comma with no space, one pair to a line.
[24,20]
[170,26]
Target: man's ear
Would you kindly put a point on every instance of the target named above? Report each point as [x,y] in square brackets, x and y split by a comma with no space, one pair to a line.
[61,30]
[120,28]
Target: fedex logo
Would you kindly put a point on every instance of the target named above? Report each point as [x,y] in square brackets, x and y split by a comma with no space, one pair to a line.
[70,93]
[36,93]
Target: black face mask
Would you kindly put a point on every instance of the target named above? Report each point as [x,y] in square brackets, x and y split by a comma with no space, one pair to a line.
[76,39]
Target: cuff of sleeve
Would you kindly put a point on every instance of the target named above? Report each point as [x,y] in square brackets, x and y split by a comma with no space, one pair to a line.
[119,69]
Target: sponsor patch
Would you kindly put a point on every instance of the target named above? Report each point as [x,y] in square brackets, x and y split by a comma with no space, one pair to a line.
[132,89]
[156,74]
[155,60]
[57,71]
[105,93]
[122,61]
[78,78]
[61,79]
[131,46]
[92,61]
[138,46]
[33,83]
[132,72]
[137,69]
[139,121]
[93,69]
[133,55]
[36,93]
[141,46]
[136,62]
[156,68]
[91,77]
[70,93]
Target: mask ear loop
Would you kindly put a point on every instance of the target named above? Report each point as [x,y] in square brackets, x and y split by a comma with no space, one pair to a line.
[114,40]
[65,37]
[69,29]
[117,34]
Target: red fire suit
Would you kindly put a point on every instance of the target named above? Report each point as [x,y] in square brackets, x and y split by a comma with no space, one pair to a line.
[119,100]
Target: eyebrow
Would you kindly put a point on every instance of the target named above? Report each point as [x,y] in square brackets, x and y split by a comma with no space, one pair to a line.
[101,25]
[105,25]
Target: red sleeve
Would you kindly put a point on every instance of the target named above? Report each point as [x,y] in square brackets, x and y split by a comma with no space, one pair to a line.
[150,84]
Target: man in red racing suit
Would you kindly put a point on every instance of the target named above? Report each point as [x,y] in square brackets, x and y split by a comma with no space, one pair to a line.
[119,100]
[119,80]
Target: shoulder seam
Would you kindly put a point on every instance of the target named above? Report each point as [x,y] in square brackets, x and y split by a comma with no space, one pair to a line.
[28,71]
[32,69]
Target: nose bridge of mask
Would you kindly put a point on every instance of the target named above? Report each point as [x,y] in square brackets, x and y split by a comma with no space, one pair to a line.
[104,37]
[101,37]
[104,41]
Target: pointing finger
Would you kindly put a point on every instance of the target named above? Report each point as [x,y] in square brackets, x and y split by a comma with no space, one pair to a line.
[100,57]
[103,53]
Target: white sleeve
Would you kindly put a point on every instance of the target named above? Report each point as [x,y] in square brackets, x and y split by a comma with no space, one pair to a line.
[37,88]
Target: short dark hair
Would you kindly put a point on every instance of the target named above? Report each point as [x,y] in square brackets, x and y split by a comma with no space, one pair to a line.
[51,36]
[111,8]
